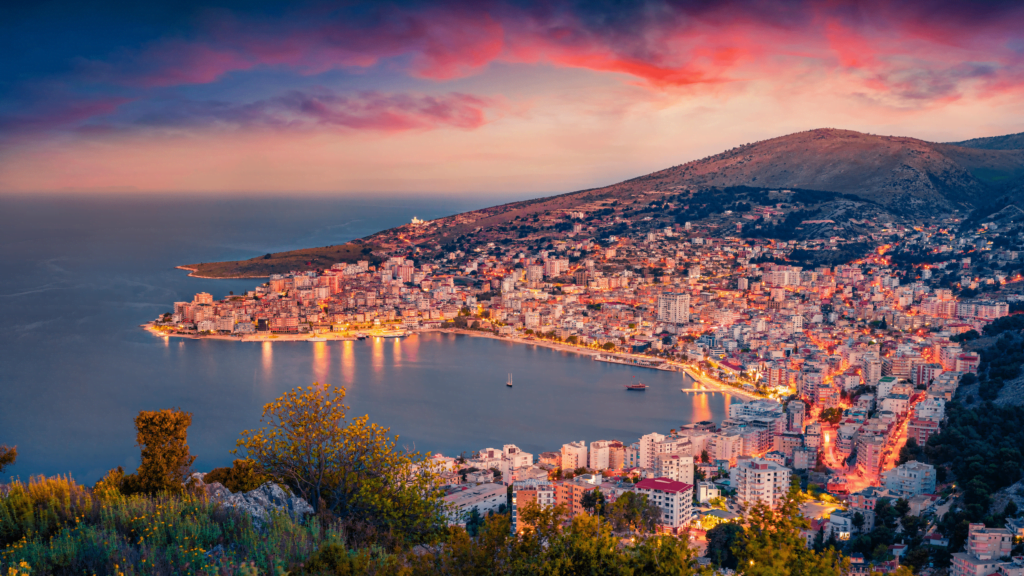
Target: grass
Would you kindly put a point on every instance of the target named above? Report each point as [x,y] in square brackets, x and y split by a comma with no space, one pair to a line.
[55,526]
[284,262]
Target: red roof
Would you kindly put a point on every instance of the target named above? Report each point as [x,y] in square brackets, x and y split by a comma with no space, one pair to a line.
[663,485]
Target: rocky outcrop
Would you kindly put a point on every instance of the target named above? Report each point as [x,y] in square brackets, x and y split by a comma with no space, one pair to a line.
[259,503]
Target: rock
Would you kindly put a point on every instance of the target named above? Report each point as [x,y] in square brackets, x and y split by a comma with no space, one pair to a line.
[215,491]
[215,553]
[268,498]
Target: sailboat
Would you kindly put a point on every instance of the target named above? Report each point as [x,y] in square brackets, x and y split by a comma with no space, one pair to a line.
[509,383]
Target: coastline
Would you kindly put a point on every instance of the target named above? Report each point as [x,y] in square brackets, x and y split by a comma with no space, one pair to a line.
[192,274]
[711,386]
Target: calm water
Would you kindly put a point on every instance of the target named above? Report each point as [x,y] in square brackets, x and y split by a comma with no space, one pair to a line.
[78,276]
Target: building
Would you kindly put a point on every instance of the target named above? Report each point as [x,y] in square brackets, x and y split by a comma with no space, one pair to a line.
[574,455]
[795,412]
[674,308]
[647,449]
[920,430]
[569,493]
[674,467]
[985,548]
[674,498]
[910,479]
[600,455]
[986,543]
[526,492]
[758,480]
[707,491]
[484,497]
[869,454]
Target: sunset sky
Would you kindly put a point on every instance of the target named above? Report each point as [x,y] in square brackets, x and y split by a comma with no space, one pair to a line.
[478,96]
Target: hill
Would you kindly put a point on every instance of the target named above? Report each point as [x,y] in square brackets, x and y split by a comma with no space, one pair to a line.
[1007,142]
[816,184]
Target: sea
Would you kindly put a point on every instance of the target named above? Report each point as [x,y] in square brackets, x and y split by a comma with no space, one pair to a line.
[79,275]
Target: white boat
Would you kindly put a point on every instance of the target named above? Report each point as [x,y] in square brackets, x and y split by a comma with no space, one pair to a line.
[318,339]
[509,383]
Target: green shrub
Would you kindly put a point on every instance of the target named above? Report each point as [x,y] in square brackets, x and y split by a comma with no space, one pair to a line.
[59,527]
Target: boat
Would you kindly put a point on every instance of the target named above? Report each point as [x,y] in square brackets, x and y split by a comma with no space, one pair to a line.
[638,387]
[318,339]
[360,336]
[509,383]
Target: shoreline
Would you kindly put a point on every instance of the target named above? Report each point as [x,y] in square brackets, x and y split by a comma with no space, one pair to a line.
[711,386]
[192,274]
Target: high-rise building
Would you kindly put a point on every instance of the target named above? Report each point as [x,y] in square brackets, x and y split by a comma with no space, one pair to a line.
[674,308]
[674,498]
[647,451]
[910,479]
[526,492]
[616,455]
[574,455]
[599,454]
[674,467]
[759,480]
[795,412]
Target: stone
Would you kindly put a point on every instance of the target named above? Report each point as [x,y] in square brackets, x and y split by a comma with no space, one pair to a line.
[261,502]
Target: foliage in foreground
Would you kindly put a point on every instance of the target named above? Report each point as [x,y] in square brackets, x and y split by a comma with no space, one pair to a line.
[772,544]
[56,526]
[8,454]
[350,468]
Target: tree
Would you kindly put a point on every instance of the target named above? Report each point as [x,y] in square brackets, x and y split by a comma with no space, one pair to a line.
[911,451]
[858,521]
[7,456]
[166,463]
[351,468]
[241,477]
[773,546]
[832,415]
[721,540]
[705,457]
[593,501]
[902,507]
[632,512]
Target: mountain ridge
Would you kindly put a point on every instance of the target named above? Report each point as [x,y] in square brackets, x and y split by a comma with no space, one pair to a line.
[819,183]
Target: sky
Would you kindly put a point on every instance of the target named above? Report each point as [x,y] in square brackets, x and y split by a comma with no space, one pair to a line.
[475,97]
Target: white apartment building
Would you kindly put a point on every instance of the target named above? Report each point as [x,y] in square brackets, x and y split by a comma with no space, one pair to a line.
[599,454]
[910,479]
[707,491]
[647,450]
[674,467]
[932,408]
[516,457]
[674,308]
[674,498]
[758,480]
[727,445]
[574,455]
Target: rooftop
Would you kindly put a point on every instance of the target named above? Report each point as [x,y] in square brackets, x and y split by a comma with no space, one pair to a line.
[663,485]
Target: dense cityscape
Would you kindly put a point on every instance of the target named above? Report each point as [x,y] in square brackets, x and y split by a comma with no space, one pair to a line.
[842,365]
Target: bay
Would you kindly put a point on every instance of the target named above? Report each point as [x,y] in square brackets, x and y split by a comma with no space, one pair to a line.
[79,274]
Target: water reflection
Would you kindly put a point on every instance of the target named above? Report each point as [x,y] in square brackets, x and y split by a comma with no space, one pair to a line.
[348,363]
[321,361]
[378,354]
[268,358]
[701,409]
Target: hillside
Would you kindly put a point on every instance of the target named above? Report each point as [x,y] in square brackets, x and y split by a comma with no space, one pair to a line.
[816,184]
[1007,142]
[283,262]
